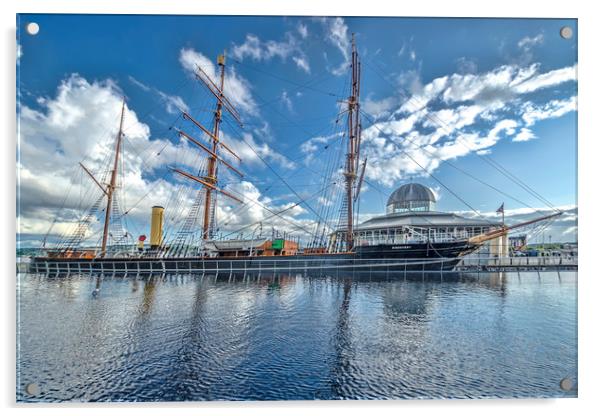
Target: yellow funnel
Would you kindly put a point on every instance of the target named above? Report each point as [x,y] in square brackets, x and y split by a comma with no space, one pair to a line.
[156,233]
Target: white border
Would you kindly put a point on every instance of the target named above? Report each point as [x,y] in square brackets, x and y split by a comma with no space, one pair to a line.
[590,289]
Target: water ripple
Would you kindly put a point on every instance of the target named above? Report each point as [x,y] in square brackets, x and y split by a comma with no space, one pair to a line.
[296,337]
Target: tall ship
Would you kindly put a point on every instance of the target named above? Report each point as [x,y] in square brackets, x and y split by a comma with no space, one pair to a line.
[411,236]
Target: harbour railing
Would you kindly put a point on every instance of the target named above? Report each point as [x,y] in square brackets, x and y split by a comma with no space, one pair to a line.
[283,264]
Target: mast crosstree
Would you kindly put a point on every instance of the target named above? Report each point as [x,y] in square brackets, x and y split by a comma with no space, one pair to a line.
[209,181]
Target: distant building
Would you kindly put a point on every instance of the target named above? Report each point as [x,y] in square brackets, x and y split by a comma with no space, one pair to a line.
[411,217]
[517,242]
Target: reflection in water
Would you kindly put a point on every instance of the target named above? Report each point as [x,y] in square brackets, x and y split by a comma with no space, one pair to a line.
[148,296]
[342,344]
[281,336]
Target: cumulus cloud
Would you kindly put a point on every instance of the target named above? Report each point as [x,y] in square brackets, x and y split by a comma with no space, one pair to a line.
[455,115]
[79,124]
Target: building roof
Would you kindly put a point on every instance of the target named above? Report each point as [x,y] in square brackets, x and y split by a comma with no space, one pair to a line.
[411,192]
[423,219]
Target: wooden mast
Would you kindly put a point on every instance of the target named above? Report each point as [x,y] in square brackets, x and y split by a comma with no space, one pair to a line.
[211,177]
[353,146]
[113,183]
[209,181]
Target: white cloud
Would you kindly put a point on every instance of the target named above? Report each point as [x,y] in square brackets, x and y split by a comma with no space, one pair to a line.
[325,202]
[448,120]
[546,80]
[401,50]
[302,29]
[563,228]
[257,209]
[286,101]
[250,48]
[446,117]
[337,34]
[237,89]
[302,63]
[311,146]
[258,50]
[396,149]
[173,104]
[524,135]
[466,65]
[528,42]
[139,84]
[254,48]
[471,142]
[80,124]
[251,151]
[379,108]
[555,108]
[502,83]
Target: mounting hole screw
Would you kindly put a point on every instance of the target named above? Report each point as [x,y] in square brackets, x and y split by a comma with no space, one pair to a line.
[566,32]
[566,384]
[32,389]
[32,28]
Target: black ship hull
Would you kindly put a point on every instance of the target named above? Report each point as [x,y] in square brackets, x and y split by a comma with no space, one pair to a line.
[417,257]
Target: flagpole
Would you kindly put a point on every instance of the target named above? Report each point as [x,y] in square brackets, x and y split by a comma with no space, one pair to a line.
[502,210]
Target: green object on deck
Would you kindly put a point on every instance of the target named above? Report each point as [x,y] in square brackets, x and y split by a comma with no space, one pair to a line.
[278,244]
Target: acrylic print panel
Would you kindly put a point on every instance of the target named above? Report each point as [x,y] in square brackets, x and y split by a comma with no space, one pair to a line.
[292,208]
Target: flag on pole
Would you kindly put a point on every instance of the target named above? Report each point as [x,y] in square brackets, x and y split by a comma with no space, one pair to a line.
[500,210]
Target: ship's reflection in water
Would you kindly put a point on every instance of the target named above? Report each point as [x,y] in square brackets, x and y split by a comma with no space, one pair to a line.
[277,337]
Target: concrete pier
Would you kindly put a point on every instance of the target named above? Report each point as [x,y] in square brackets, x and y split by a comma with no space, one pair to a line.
[542,263]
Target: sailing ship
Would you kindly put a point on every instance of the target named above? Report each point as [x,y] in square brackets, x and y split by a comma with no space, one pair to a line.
[341,249]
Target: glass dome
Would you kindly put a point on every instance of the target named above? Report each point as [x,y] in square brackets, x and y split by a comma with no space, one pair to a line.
[411,197]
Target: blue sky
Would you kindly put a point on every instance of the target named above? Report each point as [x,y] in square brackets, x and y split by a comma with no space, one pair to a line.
[465,91]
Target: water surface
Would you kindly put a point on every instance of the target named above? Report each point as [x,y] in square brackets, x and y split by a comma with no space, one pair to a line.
[296,337]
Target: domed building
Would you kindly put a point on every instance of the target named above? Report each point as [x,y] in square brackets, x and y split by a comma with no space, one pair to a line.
[411,217]
[411,197]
